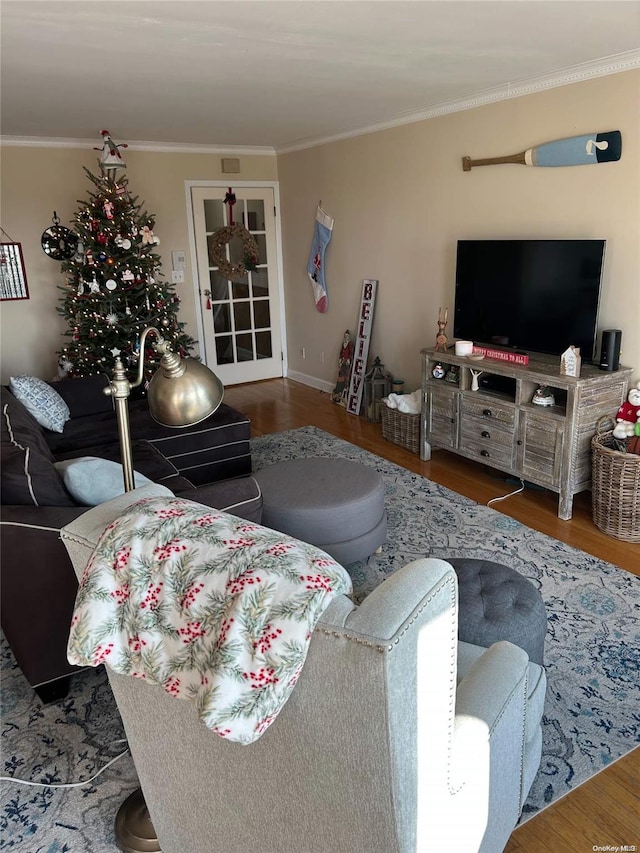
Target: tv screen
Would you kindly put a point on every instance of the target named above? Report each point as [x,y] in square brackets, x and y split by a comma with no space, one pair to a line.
[530,295]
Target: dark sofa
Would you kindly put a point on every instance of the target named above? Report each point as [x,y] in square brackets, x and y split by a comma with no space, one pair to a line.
[209,463]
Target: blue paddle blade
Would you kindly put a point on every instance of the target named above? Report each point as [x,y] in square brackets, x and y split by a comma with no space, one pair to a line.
[578,150]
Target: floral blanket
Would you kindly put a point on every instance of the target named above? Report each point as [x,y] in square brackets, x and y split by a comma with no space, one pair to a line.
[214,608]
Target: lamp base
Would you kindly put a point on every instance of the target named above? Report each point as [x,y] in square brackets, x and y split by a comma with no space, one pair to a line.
[134,830]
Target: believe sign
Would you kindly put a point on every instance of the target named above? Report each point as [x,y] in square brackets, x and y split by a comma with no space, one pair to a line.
[361,351]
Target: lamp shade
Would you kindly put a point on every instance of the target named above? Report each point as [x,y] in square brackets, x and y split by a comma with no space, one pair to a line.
[183,392]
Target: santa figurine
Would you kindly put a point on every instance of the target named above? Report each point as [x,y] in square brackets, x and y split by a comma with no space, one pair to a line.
[628,415]
[111,158]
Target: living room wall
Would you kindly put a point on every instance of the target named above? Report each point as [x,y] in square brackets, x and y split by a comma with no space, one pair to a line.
[38,180]
[401,200]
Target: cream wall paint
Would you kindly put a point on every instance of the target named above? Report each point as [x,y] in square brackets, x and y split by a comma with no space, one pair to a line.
[36,181]
[401,201]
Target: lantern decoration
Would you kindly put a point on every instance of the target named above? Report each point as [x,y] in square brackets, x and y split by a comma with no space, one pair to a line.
[377,386]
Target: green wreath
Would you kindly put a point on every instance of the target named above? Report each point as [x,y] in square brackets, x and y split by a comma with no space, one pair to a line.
[218,255]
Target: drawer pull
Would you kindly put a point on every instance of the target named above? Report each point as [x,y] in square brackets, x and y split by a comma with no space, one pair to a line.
[484,453]
[487,413]
[519,442]
[485,434]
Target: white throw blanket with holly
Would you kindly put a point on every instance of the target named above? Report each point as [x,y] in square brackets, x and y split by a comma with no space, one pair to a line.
[212,607]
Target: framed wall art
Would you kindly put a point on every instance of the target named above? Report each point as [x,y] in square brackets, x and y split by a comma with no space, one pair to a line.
[13,278]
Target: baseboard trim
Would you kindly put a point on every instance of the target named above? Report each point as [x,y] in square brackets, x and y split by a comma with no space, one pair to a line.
[311,381]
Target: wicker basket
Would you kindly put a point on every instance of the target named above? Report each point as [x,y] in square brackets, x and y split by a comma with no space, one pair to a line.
[615,486]
[401,428]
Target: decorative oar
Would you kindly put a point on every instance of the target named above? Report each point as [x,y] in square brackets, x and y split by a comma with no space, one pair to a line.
[573,151]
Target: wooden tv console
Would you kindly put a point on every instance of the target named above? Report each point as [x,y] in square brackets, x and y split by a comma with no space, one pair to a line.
[499,426]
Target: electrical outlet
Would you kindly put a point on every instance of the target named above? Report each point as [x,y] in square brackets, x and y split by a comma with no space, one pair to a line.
[177,276]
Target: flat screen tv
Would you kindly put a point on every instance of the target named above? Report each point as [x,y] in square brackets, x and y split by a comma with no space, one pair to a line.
[529,295]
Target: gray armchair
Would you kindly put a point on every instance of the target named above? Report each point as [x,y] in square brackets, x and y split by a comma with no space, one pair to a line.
[396,738]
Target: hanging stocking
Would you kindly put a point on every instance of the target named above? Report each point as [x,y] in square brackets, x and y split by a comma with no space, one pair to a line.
[315,268]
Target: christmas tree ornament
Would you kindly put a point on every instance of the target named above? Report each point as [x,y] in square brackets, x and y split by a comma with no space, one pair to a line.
[112,319]
[111,284]
[58,242]
[322,232]
[148,237]
[110,158]
[108,209]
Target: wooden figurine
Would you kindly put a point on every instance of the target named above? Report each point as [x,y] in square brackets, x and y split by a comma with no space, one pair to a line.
[441,338]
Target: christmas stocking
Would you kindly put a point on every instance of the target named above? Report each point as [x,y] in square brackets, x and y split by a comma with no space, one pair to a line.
[315,268]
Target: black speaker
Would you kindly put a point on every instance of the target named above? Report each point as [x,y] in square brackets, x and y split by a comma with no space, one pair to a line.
[610,349]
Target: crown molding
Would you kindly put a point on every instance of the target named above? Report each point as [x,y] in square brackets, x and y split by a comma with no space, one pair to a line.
[162,147]
[574,74]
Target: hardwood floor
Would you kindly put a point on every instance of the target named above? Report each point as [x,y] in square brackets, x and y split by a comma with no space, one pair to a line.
[603,811]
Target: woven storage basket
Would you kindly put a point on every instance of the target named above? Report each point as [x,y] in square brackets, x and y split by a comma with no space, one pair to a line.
[401,428]
[615,486]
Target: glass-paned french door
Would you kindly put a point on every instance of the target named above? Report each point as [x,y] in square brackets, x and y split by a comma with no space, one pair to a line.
[241,318]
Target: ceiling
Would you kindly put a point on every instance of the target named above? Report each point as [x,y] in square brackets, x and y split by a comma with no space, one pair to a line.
[266,74]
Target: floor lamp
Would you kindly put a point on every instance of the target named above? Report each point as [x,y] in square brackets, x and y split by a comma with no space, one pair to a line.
[182,392]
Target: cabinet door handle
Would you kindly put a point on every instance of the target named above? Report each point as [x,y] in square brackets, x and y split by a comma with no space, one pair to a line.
[519,442]
[487,413]
[485,434]
[484,453]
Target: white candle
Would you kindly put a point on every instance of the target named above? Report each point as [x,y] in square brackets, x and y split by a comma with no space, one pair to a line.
[464,347]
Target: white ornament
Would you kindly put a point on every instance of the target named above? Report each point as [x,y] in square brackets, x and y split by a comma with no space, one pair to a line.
[115,352]
[112,319]
[110,284]
[148,237]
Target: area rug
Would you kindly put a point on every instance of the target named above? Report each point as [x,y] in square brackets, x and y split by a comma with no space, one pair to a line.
[592,658]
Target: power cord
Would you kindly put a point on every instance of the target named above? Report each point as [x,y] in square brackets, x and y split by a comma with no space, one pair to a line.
[66,784]
[511,494]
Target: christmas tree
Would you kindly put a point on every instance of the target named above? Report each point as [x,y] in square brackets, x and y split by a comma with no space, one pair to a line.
[113,285]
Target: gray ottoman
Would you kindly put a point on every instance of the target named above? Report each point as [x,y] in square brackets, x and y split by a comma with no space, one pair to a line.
[332,503]
[498,603]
